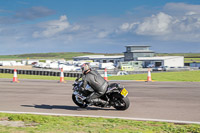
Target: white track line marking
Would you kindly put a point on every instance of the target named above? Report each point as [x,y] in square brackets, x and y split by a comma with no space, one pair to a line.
[95,116]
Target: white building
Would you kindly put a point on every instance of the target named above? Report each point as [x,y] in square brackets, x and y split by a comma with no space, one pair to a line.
[135,51]
[101,58]
[142,56]
[169,61]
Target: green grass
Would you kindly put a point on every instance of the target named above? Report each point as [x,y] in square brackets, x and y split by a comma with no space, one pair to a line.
[186,55]
[58,124]
[186,76]
[70,55]
[189,57]
[67,55]
[191,60]
[189,76]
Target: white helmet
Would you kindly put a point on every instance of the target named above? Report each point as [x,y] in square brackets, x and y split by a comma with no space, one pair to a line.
[85,67]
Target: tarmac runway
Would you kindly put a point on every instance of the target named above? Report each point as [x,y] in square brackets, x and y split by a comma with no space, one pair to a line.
[177,101]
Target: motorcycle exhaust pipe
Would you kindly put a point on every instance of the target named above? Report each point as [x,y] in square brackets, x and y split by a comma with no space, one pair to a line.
[80,96]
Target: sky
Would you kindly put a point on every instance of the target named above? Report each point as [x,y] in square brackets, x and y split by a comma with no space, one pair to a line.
[98,26]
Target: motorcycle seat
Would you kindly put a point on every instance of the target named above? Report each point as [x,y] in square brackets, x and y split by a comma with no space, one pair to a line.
[112,87]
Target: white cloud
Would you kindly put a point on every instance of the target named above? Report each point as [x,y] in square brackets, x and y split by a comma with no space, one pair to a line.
[177,24]
[102,34]
[52,28]
[75,27]
[189,24]
[184,26]
[155,25]
[127,26]
[191,13]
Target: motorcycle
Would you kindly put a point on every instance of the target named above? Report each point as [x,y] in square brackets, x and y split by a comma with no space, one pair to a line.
[115,96]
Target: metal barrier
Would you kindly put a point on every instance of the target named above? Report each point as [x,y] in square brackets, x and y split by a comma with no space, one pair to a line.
[41,72]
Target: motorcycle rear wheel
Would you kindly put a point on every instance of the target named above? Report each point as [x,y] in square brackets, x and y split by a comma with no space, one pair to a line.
[120,103]
[81,105]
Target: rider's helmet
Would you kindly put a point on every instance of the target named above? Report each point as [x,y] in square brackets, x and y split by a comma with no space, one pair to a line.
[85,67]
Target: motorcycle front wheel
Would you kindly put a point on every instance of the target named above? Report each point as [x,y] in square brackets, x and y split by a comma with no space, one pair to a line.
[78,101]
[120,103]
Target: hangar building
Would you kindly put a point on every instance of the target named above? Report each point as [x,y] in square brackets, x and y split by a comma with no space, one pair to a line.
[137,56]
[101,58]
[144,54]
[169,61]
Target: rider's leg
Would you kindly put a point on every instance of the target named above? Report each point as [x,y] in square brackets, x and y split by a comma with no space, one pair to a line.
[94,98]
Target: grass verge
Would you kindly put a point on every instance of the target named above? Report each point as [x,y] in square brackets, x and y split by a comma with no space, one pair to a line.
[63,124]
[186,76]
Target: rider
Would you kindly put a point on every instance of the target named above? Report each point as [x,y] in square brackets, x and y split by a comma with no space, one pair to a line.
[98,84]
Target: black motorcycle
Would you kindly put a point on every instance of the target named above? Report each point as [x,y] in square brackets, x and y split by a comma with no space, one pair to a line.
[115,96]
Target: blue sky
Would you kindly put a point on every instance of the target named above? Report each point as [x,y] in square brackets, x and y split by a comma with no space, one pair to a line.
[100,26]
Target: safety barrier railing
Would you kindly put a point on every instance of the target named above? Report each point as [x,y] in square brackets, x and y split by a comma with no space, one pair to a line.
[41,72]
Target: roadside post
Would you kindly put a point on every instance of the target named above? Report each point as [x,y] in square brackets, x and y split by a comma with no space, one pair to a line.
[149,75]
[62,77]
[105,74]
[15,80]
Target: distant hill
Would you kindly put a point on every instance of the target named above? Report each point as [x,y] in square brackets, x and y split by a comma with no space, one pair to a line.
[62,55]
[186,55]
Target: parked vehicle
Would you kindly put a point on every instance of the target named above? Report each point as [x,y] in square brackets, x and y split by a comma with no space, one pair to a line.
[109,65]
[115,95]
[127,68]
[150,66]
[160,68]
[122,73]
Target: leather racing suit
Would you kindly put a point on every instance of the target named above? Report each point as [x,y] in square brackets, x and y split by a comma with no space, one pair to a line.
[98,84]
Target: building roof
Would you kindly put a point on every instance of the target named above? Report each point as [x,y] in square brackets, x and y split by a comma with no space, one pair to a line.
[158,58]
[141,51]
[137,46]
[99,57]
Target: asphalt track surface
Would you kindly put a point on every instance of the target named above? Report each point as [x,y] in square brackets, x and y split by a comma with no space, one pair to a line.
[178,101]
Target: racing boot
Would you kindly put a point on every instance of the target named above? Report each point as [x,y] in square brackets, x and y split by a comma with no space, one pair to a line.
[99,102]
[89,101]
[104,103]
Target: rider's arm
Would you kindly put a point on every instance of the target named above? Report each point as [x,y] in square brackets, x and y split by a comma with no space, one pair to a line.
[84,81]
